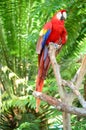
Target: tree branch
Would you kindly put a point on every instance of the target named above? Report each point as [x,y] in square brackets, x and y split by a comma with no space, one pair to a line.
[56,68]
[60,105]
[75,91]
[81,73]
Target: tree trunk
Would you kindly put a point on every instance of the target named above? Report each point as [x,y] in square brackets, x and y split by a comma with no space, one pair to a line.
[66,121]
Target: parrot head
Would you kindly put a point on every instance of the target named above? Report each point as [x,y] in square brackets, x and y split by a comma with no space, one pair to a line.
[61,15]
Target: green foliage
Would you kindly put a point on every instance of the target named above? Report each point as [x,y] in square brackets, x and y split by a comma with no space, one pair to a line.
[78,123]
[28,126]
[17,113]
[20,23]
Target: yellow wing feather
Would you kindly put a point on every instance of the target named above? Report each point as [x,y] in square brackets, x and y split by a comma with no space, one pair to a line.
[42,32]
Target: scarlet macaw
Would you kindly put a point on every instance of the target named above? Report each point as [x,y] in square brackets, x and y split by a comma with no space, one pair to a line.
[53,31]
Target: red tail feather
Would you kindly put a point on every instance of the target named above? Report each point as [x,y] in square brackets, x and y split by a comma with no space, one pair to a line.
[39,87]
[42,71]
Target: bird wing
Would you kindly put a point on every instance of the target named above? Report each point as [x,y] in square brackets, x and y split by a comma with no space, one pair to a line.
[43,36]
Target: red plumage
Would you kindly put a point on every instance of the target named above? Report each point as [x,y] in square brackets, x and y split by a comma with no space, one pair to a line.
[53,31]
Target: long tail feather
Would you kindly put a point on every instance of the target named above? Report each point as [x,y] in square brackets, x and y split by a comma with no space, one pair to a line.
[42,71]
[39,87]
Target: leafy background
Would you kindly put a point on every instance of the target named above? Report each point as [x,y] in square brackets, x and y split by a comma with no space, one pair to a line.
[20,23]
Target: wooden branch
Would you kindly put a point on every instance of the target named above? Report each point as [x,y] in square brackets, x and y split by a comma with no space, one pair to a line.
[75,76]
[75,91]
[81,73]
[60,105]
[56,68]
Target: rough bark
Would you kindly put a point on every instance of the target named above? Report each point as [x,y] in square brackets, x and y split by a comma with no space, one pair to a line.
[59,105]
[66,120]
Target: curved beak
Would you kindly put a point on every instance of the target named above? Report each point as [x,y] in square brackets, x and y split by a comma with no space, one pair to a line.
[62,17]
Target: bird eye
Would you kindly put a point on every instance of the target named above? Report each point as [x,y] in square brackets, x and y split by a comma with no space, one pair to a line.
[65,15]
[58,15]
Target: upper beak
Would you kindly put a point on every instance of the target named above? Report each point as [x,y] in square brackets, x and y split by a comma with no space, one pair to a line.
[62,17]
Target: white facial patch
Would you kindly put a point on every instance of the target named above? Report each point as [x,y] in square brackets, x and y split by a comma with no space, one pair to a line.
[65,15]
[58,15]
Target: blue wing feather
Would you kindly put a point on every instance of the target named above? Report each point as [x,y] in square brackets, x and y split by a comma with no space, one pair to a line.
[45,37]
